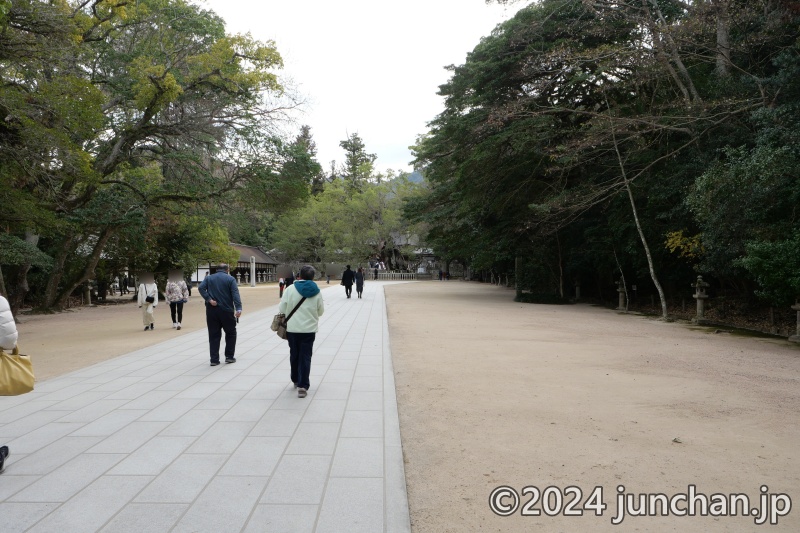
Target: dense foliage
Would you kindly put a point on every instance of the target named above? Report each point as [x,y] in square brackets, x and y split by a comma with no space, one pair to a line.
[129,134]
[648,140]
[356,216]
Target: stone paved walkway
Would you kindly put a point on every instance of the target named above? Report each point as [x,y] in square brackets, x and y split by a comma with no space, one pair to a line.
[158,440]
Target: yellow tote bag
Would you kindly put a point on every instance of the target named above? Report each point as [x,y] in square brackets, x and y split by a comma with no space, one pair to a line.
[16,373]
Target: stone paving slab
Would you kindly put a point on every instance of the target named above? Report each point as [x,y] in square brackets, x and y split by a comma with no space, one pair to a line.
[159,441]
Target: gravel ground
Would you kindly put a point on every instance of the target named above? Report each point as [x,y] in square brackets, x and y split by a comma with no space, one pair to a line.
[493,392]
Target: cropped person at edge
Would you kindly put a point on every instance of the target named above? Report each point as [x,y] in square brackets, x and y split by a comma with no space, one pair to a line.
[8,341]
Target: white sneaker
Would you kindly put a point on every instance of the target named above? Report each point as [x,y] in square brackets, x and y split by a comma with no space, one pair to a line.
[174,325]
[179,325]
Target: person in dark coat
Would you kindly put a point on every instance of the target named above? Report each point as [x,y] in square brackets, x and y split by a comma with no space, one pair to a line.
[223,309]
[360,281]
[348,277]
[289,280]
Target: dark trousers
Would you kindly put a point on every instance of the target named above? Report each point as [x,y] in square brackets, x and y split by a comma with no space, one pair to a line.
[300,346]
[219,319]
[348,290]
[176,309]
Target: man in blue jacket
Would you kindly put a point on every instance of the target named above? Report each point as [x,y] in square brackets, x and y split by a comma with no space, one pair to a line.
[223,309]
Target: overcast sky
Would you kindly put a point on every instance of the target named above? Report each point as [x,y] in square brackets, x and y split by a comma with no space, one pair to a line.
[371,67]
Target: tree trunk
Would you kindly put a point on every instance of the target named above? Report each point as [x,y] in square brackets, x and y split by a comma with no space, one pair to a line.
[722,13]
[21,284]
[650,265]
[560,268]
[88,271]
[3,292]
[672,50]
[51,290]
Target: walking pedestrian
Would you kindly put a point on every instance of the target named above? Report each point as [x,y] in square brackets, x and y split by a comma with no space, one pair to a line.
[148,301]
[177,294]
[359,281]
[375,273]
[281,286]
[8,341]
[348,276]
[289,280]
[304,297]
[223,309]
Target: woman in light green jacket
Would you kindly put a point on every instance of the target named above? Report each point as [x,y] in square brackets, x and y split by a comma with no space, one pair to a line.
[301,329]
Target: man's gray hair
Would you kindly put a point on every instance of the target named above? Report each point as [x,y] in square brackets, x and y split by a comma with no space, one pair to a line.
[223,267]
[308,272]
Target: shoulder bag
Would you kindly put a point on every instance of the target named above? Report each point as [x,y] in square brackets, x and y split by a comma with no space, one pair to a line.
[147,298]
[16,373]
[280,320]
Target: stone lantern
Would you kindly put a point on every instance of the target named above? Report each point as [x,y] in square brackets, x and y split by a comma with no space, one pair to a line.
[700,295]
[796,336]
[621,291]
[238,278]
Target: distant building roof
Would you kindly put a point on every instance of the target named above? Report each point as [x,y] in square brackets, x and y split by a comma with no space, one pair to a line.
[246,252]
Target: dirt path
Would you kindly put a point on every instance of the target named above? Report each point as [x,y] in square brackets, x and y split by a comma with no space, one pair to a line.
[493,392]
[77,338]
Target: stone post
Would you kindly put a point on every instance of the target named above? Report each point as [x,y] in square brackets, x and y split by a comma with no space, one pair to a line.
[621,291]
[700,295]
[796,336]
[251,278]
[87,294]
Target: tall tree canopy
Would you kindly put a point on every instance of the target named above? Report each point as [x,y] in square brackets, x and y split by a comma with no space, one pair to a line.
[580,135]
[355,217]
[120,121]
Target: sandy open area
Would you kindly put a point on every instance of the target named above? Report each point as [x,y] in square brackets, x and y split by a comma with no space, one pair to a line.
[493,392]
[76,338]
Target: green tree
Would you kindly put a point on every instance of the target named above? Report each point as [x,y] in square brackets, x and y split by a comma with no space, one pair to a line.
[341,225]
[121,110]
[358,164]
[572,111]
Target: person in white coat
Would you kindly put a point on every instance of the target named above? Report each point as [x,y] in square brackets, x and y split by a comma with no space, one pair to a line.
[148,300]
[8,329]
[8,341]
